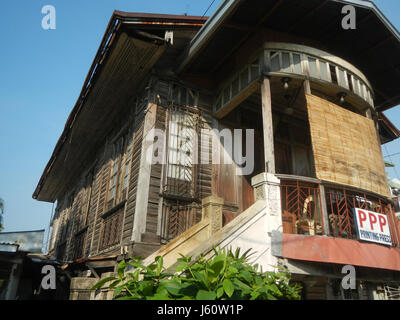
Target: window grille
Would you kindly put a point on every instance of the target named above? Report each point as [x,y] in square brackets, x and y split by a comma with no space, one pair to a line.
[79,243]
[181,192]
[112,228]
[181,171]
[392,292]
[177,217]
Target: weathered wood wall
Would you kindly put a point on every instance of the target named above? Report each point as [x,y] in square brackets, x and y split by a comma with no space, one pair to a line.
[79,219]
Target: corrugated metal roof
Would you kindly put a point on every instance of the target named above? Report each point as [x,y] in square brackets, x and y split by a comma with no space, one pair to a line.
[8,247]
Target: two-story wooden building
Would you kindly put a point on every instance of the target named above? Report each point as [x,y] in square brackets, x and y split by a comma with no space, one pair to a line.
[313,94]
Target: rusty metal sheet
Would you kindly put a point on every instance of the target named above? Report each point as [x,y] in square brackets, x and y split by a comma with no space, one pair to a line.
[339,251]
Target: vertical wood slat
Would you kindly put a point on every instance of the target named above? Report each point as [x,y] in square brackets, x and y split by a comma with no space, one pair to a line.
[267,126]
[345,146]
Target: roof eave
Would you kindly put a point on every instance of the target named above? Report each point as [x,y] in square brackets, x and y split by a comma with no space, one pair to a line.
[118,18]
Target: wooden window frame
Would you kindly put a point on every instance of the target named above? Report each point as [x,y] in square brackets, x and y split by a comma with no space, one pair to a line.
[112,226]
[117,171]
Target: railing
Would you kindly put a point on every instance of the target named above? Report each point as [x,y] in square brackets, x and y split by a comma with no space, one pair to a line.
[302,60]
[177,217]
[303,209]
[340,203]
[286,59]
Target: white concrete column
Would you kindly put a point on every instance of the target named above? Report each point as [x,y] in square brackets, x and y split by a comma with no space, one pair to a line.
[267,187]
[212,210]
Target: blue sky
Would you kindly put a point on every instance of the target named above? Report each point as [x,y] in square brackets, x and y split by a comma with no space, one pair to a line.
[41,75]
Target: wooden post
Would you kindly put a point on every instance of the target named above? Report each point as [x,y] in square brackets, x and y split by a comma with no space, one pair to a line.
[13,282]
[307,87]
[269,154]
[324,210]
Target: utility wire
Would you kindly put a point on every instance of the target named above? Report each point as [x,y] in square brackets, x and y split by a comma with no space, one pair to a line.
[391,155]
[205,12]
[208,8]
[390,158]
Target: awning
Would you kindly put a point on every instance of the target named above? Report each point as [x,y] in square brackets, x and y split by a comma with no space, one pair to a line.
[335,250]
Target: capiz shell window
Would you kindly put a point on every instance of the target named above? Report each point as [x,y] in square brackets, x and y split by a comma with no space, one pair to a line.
[182,143]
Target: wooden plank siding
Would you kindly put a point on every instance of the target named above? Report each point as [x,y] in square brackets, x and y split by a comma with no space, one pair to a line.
[88,211]
[154,191]
[82,210]
[93,208]
[133,181]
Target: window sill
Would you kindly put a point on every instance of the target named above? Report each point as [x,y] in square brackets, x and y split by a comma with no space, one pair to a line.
[82,230]
[113,209]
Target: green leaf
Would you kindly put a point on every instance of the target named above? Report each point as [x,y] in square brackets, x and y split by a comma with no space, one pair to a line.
[206,295]
[201,277]
[159,296]
[140,266]
[134,275]
[246,276]
[181,266]
[255,295]
[114,284]
[220,292]
[121,269]
[231,271]
[185,298]
[197,266]
[126,298]
[146,287]
[172,286]
[271,297]
[118,290]
[101,283]
[275,289]
[241,285]
[160,263]
[218,264]
[228,287]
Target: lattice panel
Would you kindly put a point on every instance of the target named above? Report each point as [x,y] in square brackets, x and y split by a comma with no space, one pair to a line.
[340,204]
[177,218]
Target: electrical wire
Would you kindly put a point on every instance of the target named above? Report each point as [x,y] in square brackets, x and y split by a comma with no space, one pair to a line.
[391,155]
[390,158]
[208,9]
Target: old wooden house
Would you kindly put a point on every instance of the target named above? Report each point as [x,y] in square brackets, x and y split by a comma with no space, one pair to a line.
[311,92]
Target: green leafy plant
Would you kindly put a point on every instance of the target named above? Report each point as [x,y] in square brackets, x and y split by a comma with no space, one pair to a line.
[226,276]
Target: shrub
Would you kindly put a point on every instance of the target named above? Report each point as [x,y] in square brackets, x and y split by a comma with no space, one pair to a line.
[226,276]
